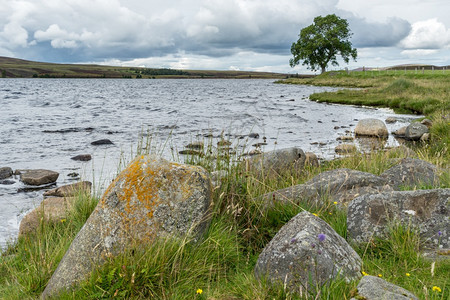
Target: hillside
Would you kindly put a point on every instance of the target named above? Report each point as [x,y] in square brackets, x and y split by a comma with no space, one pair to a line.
[18,68]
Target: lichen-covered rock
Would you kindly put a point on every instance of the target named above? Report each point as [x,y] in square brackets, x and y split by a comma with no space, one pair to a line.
[151,197]
[371,127]
[51,210]
[411,172]
[70,190]
[426,210]
[341,185]
[414,131]
[375,288]
[5,172]
[306,253]
[38,177]
[275,163]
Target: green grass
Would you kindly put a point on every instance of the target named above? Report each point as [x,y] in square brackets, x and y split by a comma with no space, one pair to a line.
[222,263]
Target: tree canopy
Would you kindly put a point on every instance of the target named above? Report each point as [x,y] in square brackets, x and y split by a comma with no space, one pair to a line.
[320,43]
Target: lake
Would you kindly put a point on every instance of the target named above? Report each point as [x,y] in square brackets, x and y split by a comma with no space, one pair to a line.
[45,122]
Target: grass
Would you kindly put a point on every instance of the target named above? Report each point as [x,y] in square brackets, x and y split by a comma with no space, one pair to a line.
[220,266]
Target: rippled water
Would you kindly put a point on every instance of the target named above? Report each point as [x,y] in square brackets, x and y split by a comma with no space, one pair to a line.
[45,122]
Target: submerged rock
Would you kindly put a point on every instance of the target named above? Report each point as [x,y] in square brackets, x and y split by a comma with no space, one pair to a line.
[82,157]
[38,177]
[150,198]
[5,172]
[102,142]
[307,253]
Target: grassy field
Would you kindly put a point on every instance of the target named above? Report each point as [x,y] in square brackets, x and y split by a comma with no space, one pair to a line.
[17,68]
[221,265]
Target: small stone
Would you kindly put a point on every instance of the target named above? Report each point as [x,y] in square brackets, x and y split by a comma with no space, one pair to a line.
[427,122]
[390,120]
[401,132]
[38,177]
[371,127]
[5,172]
[425,137]
[82,157]
[253,135]
[102,142]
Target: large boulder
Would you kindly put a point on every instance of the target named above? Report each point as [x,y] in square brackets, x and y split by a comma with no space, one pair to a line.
[307,253]
[426,210]
[38,177]
[375,288]
[371,127]
[414,131]
[277,162]
[340,185]
[5,172]
[411,172]
[50,210]
[70,190]
[151,198]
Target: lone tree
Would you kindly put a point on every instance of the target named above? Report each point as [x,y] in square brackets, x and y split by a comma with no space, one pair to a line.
[320,42]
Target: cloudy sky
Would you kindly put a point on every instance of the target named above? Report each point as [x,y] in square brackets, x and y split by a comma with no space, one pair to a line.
[253,35]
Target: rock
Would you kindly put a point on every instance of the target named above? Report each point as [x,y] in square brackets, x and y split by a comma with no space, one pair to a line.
[150,198]
[345,138]
[427,210]
[371,127]
[311,159]
[307,253]
[195,145]
[38,177]
[340,185]
[5,172]
[411,172]
[102,142]
[427,122]
[425,137]
[375,288]
[345,148]
[415,130]
[7,182]
[391,120]
[253,135]
[51,210]
[275,163]
[70,190]
[401,132]
[190,152]
[82,157]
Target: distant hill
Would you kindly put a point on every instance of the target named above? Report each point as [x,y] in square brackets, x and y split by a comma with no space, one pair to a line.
[19,68]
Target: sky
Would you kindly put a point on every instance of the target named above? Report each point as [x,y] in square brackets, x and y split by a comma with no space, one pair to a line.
[250,35]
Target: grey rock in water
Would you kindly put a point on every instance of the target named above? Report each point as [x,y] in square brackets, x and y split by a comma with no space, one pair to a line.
[102,142]
[307,253]
[401,132]
[70,190]
[411,172]
[52,209]
[340,185]
[151,198]
[426,210]
[82,157]
[275,163]
[375,288]
[391,120]
[414,131]
[5,172]
[38,177]
[371,127]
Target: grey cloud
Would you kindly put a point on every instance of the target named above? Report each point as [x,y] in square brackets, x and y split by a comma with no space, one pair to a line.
[369,34]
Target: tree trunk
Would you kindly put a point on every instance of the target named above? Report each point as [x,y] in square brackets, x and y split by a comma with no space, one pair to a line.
[323,69]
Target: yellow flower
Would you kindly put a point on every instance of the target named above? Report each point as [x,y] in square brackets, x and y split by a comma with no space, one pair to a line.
[330,213]
[364,273]
[315,214]
[335,202]
[437,289]
[407,274]
[379,275]
[199,291]
[63,220]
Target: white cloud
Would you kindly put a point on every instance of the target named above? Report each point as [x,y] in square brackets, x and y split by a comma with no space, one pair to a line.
[418,53]
[429,34]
